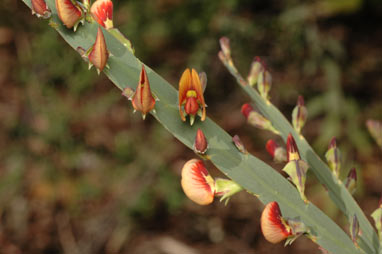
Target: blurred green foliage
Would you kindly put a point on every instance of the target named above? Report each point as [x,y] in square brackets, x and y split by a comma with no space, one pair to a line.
[70,145]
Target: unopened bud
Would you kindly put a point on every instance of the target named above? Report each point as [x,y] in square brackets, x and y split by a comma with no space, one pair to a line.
[143,100]
[264,84]
[354,229]
[225,46]
[99,54]
[200,143]
[351,181]
[278,153]
[299,114]
[296,169]
[254,72]
[292,150]
[333,157]
[254,118]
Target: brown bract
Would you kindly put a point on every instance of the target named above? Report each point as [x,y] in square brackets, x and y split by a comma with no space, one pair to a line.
[143,100]
[99,55]
[273,226]
[102,12]
[191,95]
[68,12]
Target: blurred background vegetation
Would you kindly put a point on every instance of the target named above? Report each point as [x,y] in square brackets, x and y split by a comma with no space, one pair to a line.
[80,173]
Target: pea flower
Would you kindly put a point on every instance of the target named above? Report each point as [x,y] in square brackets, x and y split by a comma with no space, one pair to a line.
[274,227]
[102,12]
[191,100]
[40,8]
[277,152]
[70,13]
[197,183]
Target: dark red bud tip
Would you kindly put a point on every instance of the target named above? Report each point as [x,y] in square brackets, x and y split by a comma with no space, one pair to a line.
[292,150]
[271,147]
[333,143]
[352,174]
[246,109]
[200,144]
[300,101]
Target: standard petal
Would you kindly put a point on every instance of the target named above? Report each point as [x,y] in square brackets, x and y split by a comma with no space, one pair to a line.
[102,12]
[196,182]
[68,13]
[184,86]
[196,85]
[272,225]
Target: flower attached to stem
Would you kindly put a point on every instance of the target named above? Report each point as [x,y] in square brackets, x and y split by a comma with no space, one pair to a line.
[200,187]
[277,152]
[40,8]
[200,143]
[191,100]
[98,53]
[143,99]
[299,115]
[273,225]
[197,183]
[254,118]
[333,157]
[102,12]
[296,168]
[70,13]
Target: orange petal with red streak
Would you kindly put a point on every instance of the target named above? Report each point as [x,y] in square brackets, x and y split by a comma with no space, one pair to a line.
[196,85]
[68,13]
[185,84]
[272,225]
[102,12]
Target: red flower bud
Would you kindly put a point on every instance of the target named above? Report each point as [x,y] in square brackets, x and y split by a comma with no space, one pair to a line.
[102,12]
[200,144]
[143,99]
[292,150]
[246,109]
[40,8]
[197,183]
[69,13]
[271,147]
[273,226]
[99,55]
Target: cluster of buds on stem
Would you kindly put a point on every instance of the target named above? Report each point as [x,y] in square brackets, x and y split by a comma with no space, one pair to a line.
[377,216]
[70,13]
[299,115]
[254,118]
[200,187]
[40,8]
[296,168]
[333,157]
[191,99]
[277,152]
